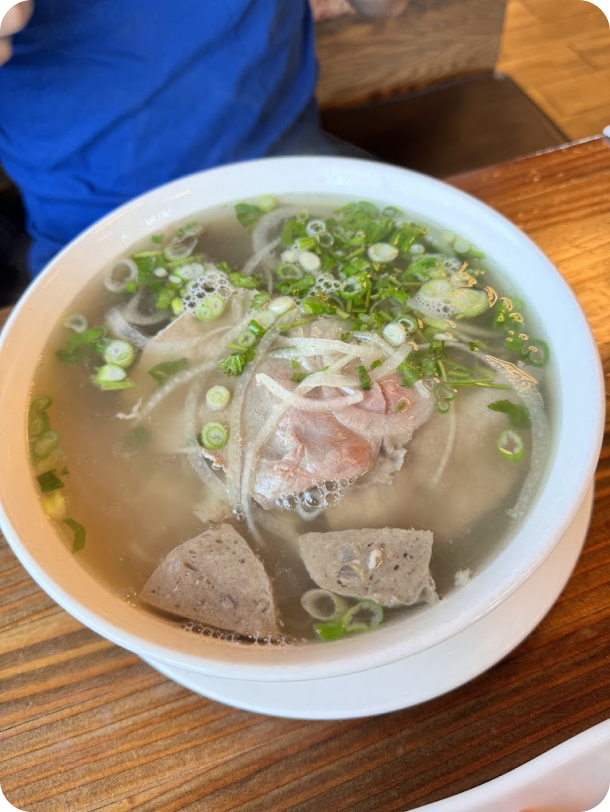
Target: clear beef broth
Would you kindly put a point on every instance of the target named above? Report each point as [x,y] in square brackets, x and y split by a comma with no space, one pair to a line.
[136,502]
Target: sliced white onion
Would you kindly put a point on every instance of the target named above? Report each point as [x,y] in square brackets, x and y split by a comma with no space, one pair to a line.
[119,276]
[120,328]
[281,305]
[390,364]
[295,347]
[308,404]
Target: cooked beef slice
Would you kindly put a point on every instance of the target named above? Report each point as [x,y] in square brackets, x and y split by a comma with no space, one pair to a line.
[307,449]
[214,578]
[388,565]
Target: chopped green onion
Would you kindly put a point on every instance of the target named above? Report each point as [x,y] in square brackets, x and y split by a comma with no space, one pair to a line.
[177,306]
[44,445]
[443,395]
[76,322]
[40,404]
[121,353]
[256,328]
[382,252]
[315,227]
[327,631]
[49,481]
[161,372]
[245,339]
[260,300]
[210,308]
[80,534]
[267,203]
[516,412]
[213,436]
[364,378]
[157,238]
[281,305]
[376,363]
[363,617]
[288,271]
[111,377]
[37,423]
[395,334]
[537,352]
[240,280]
[511,445]
[217,398]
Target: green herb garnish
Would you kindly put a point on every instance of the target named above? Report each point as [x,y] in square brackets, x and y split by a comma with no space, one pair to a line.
[161,372]
[516,413]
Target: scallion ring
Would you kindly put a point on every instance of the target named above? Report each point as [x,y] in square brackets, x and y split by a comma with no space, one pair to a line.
[213,436]
[121,353]
[363,617]
[210,308]
[315,227]
[288,272]
[217,398]
[44,445]
[511,445]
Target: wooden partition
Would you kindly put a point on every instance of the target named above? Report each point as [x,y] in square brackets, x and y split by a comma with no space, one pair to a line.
[433,41]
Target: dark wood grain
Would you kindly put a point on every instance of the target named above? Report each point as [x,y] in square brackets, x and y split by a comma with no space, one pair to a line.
[86,726]
[433,41]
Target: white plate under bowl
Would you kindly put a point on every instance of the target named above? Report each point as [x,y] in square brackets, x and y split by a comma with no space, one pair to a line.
[417,678]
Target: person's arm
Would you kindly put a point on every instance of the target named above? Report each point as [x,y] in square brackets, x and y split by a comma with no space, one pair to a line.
[380,8]
[16,18]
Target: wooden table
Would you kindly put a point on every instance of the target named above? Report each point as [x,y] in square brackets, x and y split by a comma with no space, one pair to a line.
[88,726]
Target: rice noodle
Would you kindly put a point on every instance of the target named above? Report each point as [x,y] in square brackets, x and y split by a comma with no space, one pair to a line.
[120,327]
[308,404]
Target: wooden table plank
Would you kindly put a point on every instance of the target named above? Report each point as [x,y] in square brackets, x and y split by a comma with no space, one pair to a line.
[86,726]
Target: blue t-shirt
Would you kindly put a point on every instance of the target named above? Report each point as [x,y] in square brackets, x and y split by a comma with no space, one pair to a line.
[105,99]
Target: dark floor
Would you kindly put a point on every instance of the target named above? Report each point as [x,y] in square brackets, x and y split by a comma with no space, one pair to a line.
[439,131]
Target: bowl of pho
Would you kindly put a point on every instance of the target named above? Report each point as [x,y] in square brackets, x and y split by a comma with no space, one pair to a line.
[294,418]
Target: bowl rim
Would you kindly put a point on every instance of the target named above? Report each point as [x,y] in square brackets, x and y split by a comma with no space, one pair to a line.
[71,586]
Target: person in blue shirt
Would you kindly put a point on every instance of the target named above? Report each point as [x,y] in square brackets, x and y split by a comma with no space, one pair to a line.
[102,100]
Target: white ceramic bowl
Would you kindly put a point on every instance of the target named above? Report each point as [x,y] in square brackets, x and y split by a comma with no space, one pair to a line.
[579,415]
